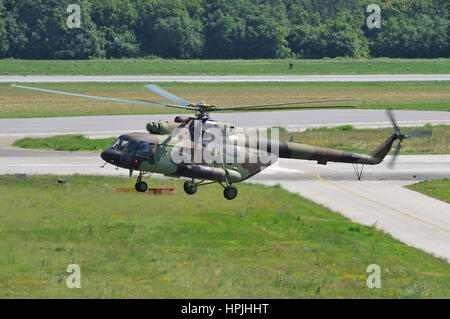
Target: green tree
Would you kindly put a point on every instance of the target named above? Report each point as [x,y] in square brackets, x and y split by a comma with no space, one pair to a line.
[246,29]
[167,30]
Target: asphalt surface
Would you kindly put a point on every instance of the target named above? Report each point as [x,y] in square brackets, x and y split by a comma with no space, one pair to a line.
[292,120]
[229,78]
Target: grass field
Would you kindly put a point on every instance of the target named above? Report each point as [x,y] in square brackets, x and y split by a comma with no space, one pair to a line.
[224,67]
[16,102]
[267,243]
[344,138]
[439,188]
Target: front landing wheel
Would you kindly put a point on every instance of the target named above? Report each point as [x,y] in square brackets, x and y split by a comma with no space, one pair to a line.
[230,192]
[190,187]
[141,187]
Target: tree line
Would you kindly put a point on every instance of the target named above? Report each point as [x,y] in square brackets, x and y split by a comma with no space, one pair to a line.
[213,29]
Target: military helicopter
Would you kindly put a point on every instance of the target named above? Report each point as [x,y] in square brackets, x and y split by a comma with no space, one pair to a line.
[177,149]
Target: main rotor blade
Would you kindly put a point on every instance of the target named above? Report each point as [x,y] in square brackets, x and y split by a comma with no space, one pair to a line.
[415,134]
[171,105]
[96,97]
[284,108]
[286,103]
[160,91]
[397,151]
[390,114]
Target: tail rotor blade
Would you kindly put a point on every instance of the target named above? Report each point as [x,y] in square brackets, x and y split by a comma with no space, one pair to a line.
[394,157]
[415,134]
[390,114]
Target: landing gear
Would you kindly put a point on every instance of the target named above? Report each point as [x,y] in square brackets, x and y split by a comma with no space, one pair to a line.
[140,186]
[190,187]
[230,192]
[358,171]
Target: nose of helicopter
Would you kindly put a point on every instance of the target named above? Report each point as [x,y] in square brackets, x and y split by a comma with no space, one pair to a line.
[110,156]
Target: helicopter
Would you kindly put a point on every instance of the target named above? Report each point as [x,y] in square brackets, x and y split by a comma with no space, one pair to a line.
[206,151]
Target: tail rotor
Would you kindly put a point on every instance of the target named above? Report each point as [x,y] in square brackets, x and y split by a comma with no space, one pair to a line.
[398,135]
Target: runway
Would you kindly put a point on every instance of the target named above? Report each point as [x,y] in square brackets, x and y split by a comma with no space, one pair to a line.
[226,78]
[379,200]
[291,120]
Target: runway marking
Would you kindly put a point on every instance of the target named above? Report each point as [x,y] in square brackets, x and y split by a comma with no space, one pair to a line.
[382,205]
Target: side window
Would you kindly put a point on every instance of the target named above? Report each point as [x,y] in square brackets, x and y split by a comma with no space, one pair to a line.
[129,148]
[143,149]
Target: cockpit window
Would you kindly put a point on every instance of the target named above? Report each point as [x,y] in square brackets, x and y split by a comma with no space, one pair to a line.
[120,144]
[143,149]
[116,142]
[124,145]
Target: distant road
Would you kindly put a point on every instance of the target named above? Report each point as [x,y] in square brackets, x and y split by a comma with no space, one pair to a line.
[228,78]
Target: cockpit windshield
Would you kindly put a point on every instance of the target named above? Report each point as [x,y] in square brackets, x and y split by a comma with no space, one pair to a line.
[124,145]
[116,142]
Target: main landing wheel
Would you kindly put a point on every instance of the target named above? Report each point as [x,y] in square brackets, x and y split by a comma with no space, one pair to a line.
[141,187]
[190,187]
[230,192]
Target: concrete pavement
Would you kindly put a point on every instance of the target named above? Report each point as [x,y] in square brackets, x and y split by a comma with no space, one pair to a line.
[226,78]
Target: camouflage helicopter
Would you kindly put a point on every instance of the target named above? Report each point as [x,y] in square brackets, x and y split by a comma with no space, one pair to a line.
[177,149]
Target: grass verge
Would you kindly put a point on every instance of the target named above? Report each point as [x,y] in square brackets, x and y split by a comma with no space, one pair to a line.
[439,188]
[17,102]
[69,143]
[223,67]
[268,243]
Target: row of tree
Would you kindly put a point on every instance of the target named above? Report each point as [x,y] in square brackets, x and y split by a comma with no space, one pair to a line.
[213,29]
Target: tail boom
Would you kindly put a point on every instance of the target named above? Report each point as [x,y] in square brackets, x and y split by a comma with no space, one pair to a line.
[323,155]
